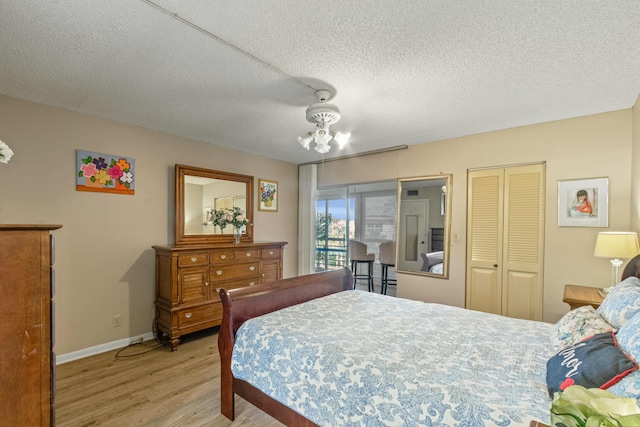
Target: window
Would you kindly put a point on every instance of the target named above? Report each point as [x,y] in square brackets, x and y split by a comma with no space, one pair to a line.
[365,212]
[332,228]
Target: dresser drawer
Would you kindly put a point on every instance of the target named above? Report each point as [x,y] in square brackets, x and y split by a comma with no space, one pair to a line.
[234,284]
[271,253]
[223,256]
[234,271]
[197,315]
[247,254]
[193,258]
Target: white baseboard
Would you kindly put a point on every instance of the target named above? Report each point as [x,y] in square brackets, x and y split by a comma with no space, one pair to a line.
[97,349]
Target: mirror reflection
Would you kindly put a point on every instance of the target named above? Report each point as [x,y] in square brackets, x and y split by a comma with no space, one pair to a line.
[423,225]
[199,194]
[203,196]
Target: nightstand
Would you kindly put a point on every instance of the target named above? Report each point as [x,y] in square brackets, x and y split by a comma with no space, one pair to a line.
[578,296]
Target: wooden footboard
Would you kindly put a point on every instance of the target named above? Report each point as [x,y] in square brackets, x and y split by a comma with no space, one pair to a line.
[240,305]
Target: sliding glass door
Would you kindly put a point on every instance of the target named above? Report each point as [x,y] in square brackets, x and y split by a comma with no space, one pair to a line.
[364,212]
[334,228]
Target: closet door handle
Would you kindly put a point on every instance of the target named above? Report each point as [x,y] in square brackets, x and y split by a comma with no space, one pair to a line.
[495,265]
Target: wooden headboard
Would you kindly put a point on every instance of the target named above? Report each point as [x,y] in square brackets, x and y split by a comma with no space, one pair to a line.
[632,268]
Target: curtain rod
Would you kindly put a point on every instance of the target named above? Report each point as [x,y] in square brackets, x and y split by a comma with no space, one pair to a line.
[350,156]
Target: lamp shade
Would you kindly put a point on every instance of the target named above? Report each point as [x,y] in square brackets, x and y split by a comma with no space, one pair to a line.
[613,244]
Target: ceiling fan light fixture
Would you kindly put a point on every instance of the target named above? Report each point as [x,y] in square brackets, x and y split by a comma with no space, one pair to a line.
[323,115]
[305,140]
[322,148]
[322,136]
[341,139]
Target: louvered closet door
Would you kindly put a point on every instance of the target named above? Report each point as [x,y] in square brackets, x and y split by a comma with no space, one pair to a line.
[484,237]
[505,238]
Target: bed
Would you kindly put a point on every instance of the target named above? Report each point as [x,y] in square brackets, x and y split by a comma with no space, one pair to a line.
[311,351]
[432,262]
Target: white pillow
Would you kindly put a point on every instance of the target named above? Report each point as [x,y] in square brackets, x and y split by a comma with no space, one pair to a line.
[621,303]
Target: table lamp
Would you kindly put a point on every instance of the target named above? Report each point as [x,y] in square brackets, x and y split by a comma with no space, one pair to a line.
[616,244]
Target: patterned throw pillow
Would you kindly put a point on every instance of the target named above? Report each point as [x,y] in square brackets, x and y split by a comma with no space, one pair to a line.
[621,303]
[595,362]
[629,340]
[576,325]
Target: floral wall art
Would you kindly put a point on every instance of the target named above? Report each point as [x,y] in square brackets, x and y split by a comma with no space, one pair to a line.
[106,173]
[267,195]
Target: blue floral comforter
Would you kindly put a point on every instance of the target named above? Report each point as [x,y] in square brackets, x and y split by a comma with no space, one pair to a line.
[363,359]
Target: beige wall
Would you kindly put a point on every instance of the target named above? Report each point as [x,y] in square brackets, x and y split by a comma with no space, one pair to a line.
[104,261]
[584,147]
[635,168]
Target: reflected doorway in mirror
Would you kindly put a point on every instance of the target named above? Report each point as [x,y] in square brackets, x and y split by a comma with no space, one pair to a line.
[424,217]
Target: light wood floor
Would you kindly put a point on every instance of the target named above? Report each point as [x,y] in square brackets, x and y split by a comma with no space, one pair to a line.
[157,388]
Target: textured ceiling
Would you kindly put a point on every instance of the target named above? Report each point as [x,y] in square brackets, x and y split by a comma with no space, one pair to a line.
[241,73]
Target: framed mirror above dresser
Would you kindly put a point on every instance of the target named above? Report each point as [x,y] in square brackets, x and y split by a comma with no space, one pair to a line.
[205,258]
[200,192]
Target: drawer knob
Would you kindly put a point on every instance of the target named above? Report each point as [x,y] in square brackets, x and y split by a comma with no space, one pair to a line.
[253,267]
[206,283]
[194,259]
[219,272]
[252,283]
[248,253]
[223,257]
[218,289]
[270,252]
[188,315]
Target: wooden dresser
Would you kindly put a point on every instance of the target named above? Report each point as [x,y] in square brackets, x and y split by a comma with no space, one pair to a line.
[27,361]
[189,278]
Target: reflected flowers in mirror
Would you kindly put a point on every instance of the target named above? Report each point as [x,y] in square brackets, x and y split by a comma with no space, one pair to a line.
[233,216]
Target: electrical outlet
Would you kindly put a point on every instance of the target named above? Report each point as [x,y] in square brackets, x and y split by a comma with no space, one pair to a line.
[116,321]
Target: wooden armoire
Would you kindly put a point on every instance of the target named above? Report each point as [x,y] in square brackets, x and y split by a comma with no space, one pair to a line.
[27,361]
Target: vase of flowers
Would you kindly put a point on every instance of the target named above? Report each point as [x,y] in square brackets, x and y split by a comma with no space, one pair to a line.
[231,216]
[237,234]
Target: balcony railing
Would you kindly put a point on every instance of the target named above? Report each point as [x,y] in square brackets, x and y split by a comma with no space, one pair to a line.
[331,254]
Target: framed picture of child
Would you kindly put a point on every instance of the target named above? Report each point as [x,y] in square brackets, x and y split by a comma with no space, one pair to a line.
[583,202]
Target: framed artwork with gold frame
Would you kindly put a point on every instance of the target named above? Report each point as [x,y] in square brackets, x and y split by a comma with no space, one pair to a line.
[267,195]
